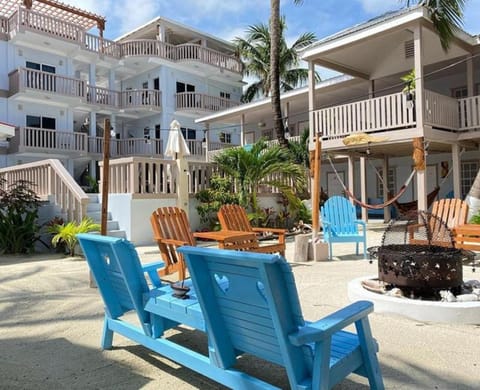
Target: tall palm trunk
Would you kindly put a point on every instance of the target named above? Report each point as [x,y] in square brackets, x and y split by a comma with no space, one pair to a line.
[275,72]
[473,197]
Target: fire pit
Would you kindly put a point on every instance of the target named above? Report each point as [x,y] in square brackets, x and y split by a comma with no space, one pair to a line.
[418,255]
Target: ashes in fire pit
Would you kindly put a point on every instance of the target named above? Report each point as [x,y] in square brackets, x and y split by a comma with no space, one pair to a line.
[418,256]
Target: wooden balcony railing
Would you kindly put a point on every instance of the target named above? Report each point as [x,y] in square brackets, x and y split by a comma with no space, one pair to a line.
[150,98]
[51,181]
[469,113]
[24,78]
[441,111]
[200,101]
[25,19]
[381,113]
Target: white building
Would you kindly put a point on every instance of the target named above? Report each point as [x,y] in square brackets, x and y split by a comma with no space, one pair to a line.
[59,82]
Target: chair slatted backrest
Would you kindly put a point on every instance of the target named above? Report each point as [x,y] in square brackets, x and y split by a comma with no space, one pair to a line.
[341,215]
[250,304]
[118,274]
[171,223]
[234,217]
[449,213]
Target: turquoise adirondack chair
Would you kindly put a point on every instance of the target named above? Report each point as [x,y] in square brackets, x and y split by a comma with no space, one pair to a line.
[340,224]
[246,302]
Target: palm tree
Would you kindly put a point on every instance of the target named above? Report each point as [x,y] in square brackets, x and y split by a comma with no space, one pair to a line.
[259,165]
[446,16]
[255,51]
[275,50]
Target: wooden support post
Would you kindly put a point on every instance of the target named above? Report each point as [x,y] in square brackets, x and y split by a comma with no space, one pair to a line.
[316,185]
[419,163]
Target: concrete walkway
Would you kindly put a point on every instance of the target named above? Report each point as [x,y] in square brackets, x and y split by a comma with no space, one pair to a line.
[51,322]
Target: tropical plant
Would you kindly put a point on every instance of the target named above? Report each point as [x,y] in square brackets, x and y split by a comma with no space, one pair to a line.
[261,165]
[19,228]
[210,200]
[275,69]
[476,219]
[67,233]
[446,16]
[255,52]
[299,149]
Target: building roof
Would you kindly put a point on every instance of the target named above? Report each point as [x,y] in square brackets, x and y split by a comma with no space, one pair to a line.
[55,9]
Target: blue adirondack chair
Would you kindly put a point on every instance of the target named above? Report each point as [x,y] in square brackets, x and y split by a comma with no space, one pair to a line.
[247,301]
[340,224]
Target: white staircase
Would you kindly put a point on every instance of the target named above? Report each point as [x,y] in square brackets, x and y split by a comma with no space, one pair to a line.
[94,211]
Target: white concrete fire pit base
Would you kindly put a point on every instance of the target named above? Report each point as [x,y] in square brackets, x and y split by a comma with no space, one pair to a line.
[425,311]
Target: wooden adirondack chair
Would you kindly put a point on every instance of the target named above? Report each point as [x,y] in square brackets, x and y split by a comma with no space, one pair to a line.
[234,217]
[247,301]
[259,313]
[446,213]
[171,230]
[340,224]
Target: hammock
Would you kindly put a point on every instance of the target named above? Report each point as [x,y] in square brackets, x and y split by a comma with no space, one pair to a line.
[403,208]
[392,199]
[407,207]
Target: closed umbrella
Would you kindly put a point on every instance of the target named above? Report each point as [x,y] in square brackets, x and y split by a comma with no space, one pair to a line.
[178,149]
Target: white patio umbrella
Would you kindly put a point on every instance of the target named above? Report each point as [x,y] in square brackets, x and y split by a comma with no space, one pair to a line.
[178,149]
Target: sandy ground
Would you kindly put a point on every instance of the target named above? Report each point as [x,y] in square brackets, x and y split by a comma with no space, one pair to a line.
[51,322]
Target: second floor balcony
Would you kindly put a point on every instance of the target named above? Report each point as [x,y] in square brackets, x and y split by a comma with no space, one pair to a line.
[194,102]
[385,114]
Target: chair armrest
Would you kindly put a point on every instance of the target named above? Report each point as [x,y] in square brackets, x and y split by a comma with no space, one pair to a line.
[360,222]
[332,323]
[267,229]
[171,241]
[152,270]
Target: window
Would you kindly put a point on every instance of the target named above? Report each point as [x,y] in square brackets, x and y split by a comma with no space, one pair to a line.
[156,84]
[189,133]
[267,134]
[225,137]
[225,95]
[469,171]
[390,182]
[43,122]
[183,87]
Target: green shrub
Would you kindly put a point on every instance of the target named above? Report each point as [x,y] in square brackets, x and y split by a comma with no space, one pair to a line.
[476,219]
[67,233]
[19,228]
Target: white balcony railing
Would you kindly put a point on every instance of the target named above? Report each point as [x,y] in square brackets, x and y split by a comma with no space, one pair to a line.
[441,111]
[141,98]
[46,141]
[200,101]
[24,78]
[469,113]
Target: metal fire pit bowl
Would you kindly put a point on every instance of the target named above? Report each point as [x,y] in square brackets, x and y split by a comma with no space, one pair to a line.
[418,253]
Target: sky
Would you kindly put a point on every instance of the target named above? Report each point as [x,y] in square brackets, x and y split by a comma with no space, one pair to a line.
[228,19]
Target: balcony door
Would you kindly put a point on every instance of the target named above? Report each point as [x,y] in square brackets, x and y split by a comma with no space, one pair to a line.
[44,81]
[186,100]
[40,131]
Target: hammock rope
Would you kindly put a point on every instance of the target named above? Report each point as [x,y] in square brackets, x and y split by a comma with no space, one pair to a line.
[391,200]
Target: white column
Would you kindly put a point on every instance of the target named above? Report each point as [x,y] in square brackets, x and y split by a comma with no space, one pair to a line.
[363,186]
[111,79]
[207,139]
[242,129]
[311,103]
[419,104]
[457,189]
[470,78]
[92,81]
[386,211]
